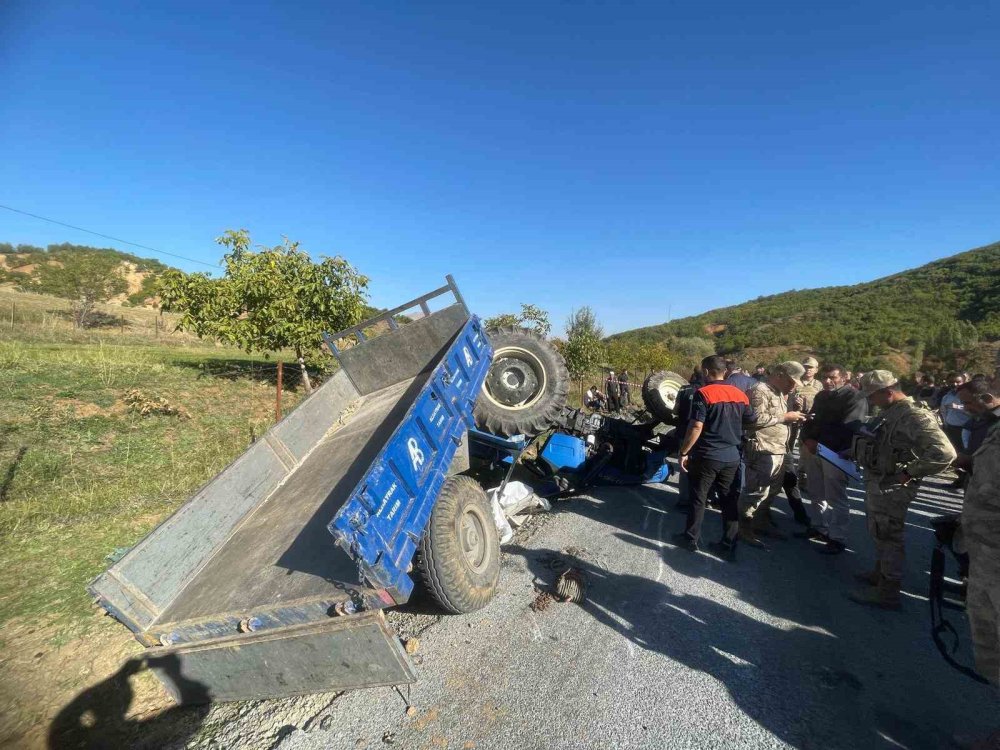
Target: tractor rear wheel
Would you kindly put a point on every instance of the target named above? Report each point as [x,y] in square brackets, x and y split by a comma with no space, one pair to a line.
[659,394]
[526,387]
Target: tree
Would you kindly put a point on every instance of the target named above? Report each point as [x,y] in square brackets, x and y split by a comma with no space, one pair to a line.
[583,350]
[530,316]
[269,299]
[951,336]
[84,277]
[584,322]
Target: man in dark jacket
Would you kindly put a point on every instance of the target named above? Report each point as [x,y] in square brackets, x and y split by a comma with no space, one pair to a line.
[737,378]
[710,453]
[611,388]
[625,388]
[682,411]
[975,394]
[837,412]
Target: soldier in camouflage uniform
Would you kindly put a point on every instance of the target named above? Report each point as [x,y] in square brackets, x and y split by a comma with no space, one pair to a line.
[801,400]
[765,446]
[981,532]
[794,480]
[900,446]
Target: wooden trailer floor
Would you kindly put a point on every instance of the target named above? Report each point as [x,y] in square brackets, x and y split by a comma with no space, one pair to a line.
[283,552]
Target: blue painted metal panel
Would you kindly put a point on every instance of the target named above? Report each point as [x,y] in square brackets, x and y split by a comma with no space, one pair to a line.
[381,523]
[496,449]
[657,471]
[564,453]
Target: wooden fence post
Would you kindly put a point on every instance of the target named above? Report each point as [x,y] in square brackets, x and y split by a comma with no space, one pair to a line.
[12,315]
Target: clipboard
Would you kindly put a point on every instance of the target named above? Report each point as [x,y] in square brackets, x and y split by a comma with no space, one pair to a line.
[848,467]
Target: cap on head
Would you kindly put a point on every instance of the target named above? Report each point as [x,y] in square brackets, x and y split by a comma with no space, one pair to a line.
[810,362]
[792,369]
[876,380]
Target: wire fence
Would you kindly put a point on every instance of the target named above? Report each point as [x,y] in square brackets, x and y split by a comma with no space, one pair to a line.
[31,314]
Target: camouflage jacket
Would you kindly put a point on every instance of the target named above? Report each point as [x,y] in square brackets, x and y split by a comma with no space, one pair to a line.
[802,397]
[981,511]
[768,433]
[903,437]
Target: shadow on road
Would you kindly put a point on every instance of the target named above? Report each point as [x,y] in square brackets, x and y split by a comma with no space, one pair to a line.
[797,665]
[98,717]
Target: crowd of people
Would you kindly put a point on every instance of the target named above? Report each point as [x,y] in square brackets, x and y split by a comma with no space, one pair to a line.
[801,425]
[617,393]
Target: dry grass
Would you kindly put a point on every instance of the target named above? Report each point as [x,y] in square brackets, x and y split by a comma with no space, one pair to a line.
[37,317]
[82,474]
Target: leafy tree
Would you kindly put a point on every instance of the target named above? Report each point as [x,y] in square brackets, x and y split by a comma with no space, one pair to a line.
[584,322]
[269,299]
[503,320]
[86,278]
[583,350]
[530,316]
[626,356]
[692,347]
[659,357]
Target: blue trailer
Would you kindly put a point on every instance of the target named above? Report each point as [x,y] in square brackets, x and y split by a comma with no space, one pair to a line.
[272,579]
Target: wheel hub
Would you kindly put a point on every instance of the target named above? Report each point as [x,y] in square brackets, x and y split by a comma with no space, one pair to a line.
[512,381]
[473,539]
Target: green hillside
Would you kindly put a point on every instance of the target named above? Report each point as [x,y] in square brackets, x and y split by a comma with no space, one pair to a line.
[18,261]
[933,310]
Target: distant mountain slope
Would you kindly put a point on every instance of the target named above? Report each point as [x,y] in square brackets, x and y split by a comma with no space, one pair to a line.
[934,309]
[17,263]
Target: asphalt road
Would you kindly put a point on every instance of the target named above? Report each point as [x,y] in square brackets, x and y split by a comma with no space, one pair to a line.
[674,649]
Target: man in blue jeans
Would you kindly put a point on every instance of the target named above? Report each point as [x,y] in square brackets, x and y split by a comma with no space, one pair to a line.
[710,454]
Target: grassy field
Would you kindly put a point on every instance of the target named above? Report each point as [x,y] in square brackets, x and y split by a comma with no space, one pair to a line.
[82,473]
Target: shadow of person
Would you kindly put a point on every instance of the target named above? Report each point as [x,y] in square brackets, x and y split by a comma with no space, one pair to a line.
[97,718]
[795,681]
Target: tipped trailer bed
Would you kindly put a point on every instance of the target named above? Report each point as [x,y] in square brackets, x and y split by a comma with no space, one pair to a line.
[271,579]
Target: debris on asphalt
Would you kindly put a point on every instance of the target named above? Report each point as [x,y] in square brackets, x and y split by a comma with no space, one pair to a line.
[411,710]
[411,645]
[571,586]
[388,738]
[514,507]
[542,601]
[500,519]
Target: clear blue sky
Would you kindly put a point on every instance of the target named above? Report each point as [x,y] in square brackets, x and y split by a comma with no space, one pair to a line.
[629,156]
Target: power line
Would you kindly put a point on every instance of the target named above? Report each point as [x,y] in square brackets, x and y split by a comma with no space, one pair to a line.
[106,236]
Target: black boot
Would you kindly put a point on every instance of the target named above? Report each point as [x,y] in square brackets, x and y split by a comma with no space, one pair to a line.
[683,541]
[724,550]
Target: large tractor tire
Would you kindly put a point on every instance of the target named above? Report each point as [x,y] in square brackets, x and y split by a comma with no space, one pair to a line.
[526,387]
[659,394]
[459,554]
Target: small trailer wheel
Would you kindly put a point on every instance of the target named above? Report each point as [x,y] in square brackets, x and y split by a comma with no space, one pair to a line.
[459,553]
